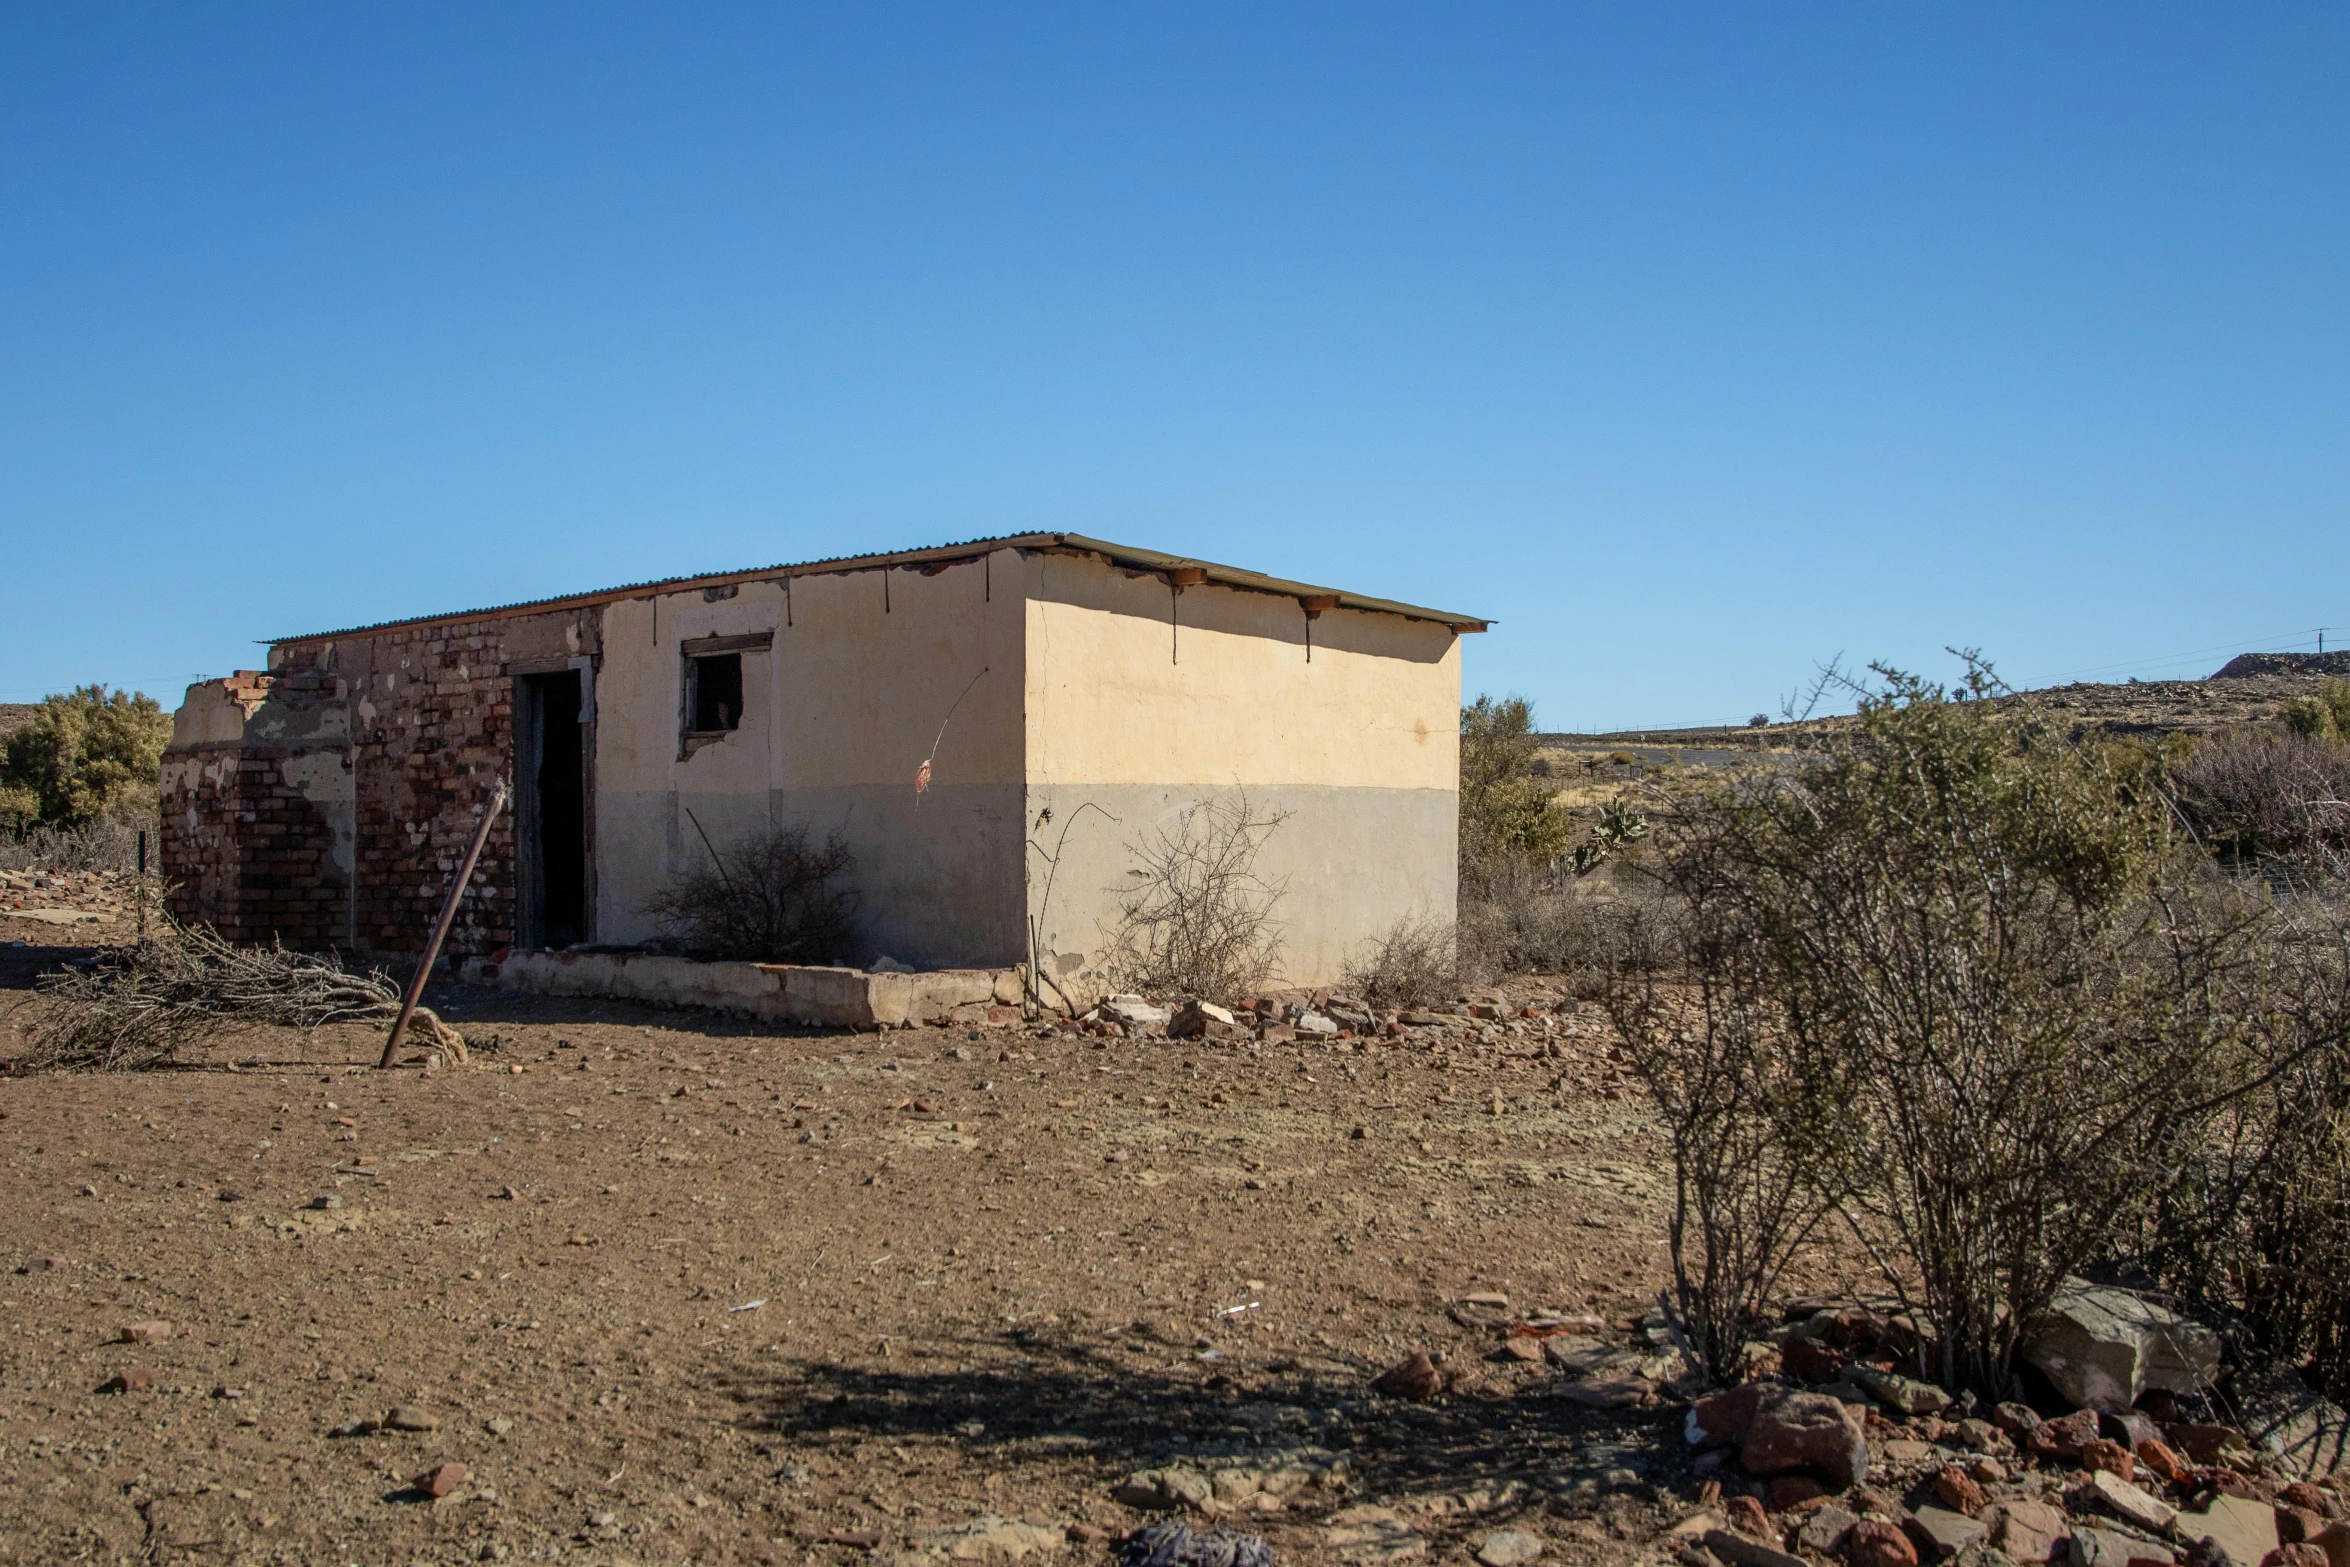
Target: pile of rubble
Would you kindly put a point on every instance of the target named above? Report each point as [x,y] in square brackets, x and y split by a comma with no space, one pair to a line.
[1831,1452]
[58,896]
[1290,1016]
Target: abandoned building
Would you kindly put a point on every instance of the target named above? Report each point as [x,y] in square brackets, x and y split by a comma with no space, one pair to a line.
[991,727]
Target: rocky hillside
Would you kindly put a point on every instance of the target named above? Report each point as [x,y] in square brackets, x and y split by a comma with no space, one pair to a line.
[2250,688]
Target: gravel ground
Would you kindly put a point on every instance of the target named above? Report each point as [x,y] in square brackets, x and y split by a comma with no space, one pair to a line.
[672,1287]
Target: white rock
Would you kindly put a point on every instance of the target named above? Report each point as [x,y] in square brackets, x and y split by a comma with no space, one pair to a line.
[1136,1011]
[1315,1023]
[1509,1548]
[2102,1347]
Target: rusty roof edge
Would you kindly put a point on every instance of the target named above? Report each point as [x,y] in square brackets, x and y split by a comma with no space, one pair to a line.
[1237,577]
[1122,554]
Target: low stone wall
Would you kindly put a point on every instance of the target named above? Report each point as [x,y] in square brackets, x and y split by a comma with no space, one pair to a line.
[786,992]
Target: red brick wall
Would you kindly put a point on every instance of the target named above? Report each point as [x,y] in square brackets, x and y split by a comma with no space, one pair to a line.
[432,736]
[429,736]
[243,849]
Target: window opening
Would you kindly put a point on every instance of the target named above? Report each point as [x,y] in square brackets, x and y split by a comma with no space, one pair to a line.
[714,693]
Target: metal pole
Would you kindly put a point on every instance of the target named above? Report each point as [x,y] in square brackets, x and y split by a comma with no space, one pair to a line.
[142,885]
[440,930]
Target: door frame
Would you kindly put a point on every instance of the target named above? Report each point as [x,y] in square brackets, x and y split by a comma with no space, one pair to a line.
[529,719]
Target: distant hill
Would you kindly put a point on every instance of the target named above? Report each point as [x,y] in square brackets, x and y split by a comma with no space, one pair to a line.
[2250,688]
[2245,665]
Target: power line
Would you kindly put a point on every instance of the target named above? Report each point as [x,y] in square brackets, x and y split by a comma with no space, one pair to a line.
[2264,644]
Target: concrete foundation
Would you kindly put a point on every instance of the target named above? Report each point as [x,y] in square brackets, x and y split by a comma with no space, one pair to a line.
[784,992]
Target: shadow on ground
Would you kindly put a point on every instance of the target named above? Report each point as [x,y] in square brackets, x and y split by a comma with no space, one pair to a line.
[1505,1451]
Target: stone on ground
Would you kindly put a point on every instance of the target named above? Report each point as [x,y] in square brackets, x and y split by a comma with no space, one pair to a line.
[2103,1346]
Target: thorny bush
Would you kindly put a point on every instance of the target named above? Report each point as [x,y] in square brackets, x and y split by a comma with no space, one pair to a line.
[771,896]
[1960,983]
[1411,964]
[1196,918]
[2253,1228]
[2273,799]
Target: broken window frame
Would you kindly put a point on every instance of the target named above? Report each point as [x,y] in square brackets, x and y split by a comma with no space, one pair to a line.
[692,652]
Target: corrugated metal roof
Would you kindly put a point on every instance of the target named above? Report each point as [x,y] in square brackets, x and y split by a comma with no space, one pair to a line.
[1118,554]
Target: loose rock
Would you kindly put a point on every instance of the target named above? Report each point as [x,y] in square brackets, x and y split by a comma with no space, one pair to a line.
[2104,1346]
[1873,1542]
[440,1480]
[1807,1431]
[1415,1378]
[1509,1548]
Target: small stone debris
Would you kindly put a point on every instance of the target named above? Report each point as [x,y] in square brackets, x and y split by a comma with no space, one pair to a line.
[498,1425]
[407,1417]
[1509,1548]
[1414,1377]
[327,1200]
[440,1480]
[131,1379]
[44,1264]
[146,1332]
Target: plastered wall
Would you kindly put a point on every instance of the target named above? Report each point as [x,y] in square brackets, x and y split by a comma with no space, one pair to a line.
[1142,703]
[1069,710]
[840,710]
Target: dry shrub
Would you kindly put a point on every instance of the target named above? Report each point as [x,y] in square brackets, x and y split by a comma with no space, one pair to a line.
[1990,995]
[772,896]
[1196,919]
[110,843]
[1525,918]
[150,1005]
[2272,798]
[1412,964]
[1751,1168]
[2253,1228]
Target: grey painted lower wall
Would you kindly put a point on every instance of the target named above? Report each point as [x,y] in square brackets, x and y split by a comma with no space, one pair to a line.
[939,879]
[1353,862]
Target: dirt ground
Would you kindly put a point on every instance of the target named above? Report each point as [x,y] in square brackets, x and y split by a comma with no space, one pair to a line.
[671,1286]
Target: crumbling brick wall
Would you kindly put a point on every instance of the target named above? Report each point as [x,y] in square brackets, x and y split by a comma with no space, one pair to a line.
[247,846]
[431,737]
[328,802]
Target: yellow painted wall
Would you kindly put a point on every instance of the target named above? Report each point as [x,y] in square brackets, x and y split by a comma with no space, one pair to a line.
[1132,721]
[1226,694]
[838,715]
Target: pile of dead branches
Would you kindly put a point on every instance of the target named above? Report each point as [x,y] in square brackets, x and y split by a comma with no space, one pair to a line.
[154,1004]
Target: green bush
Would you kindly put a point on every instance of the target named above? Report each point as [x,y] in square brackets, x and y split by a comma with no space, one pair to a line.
[2325,716]
[1957,981]
[86,755]
[1505,803]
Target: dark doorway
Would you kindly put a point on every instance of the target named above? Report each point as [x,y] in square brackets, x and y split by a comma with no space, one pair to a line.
[553,769]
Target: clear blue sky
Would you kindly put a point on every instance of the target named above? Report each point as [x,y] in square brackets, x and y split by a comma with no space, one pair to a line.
[1694,344]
